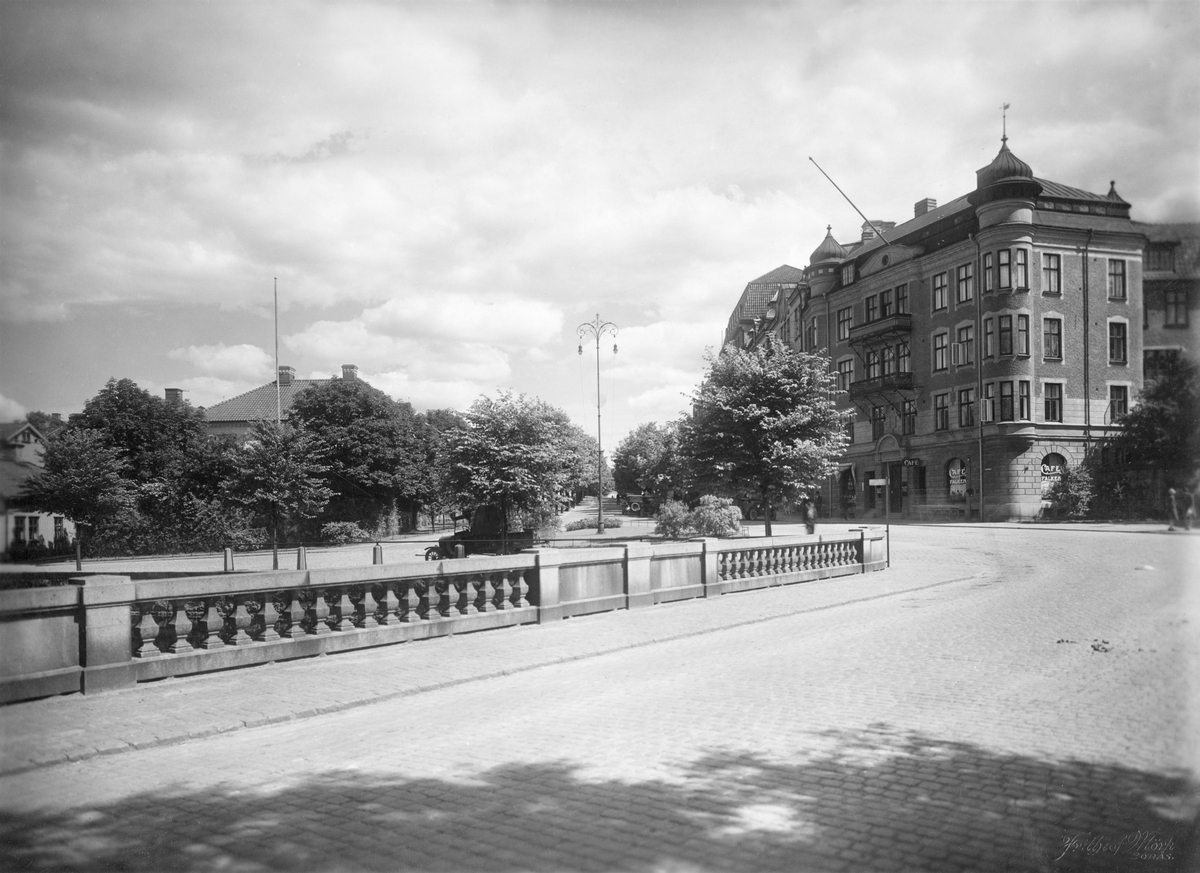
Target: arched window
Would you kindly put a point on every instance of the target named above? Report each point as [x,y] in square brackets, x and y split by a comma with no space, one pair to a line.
[1052,469]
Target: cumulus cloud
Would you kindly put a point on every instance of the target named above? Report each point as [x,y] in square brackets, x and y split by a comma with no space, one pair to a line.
[244,360]
[11,410]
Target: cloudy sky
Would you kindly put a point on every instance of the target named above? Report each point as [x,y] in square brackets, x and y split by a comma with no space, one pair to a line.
[445,191]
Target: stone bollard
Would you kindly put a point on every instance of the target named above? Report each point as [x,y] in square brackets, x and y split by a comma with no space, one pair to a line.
[301,558]
[460,551]
[229,560]
[377,554]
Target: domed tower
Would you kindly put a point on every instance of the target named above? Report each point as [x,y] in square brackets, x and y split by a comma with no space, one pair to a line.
[824,263]
[1005,190]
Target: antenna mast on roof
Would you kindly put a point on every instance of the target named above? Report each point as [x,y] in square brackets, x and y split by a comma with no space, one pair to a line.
[278,404]
[878,232]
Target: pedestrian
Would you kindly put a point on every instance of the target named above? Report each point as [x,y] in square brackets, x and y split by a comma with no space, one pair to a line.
[810,515]
[1189,512]
[1172,510]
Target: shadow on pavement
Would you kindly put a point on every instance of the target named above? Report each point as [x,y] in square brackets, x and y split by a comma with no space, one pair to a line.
[873,800]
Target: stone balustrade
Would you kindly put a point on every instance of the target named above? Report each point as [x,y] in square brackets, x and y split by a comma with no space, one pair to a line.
[105,632]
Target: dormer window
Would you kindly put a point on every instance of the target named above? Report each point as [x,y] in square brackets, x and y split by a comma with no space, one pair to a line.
[847,274]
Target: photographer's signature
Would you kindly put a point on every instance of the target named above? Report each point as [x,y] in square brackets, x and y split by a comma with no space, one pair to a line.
[1142,845]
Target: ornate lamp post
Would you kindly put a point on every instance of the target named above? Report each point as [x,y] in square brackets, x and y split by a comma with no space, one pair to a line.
[598,329]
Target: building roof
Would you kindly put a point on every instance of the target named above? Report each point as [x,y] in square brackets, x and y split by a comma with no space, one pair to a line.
[829,249]
[1066,192]
[258,402]
[1185,236]
[781,275]
[10,429]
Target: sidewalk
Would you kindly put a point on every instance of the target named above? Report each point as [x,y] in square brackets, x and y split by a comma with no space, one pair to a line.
[54,730]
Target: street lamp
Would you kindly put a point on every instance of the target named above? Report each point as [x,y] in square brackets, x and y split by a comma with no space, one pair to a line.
[598,329]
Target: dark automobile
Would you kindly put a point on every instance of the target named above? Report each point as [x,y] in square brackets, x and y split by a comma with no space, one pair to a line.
[486,535]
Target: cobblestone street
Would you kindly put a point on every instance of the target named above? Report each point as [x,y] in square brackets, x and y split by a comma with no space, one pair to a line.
[1003,698]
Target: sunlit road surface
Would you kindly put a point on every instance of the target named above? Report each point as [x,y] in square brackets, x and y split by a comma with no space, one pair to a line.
[1002,699]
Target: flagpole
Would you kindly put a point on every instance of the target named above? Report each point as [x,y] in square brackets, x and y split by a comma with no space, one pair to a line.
[278,402]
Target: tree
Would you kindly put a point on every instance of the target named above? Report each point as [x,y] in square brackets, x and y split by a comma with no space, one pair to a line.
[647,461]
[763,425]
[278,474]
[514,453]
[438,427]
[83,479]
[373,446]
[1163,429]
[585,460]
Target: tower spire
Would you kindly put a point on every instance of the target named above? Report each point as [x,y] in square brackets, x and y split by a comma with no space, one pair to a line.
[1004,124]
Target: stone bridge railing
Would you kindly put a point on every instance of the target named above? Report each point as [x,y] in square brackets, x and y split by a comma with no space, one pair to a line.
[105,632]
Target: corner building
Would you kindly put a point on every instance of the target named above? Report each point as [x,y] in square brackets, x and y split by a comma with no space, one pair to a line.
[998,334]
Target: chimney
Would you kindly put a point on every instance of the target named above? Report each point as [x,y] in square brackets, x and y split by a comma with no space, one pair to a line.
[174,395]
[868,232]
[57,416]
[286,376]
[923,206]
[349,372]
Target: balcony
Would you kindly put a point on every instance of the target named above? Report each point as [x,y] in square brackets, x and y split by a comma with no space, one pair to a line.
[882,328]
[881,385]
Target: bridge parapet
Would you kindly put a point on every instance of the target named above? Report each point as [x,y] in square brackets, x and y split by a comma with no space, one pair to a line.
[107,632]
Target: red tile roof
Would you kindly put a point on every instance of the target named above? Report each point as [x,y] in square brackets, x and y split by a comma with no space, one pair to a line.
[258,402]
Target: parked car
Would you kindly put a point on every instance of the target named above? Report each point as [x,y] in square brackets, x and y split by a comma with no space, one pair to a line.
[486,535]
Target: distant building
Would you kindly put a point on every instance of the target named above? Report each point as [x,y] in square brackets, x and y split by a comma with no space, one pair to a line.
[761,302]
[21,446]
[237,414]
[1170,293]
[997,333]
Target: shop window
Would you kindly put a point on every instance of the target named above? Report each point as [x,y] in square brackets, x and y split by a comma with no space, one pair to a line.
[956,480]
[1053,466]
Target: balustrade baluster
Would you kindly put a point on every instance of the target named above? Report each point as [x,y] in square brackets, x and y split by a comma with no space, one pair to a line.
[293,614]
[485,591]
[502,591]
[180,623]
[341,609]
[520,585]
[364,606]
[317,615]
[211,625]
[432,608]
[239,619]
[386,603]
[409,606]
[264,627]
[145,630]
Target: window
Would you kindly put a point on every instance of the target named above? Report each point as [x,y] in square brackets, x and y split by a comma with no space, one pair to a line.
[873,364]
[966,408]
[878,420]
[889,360]
[1022,334]
[1006,401]
[845,374]
[1052,338]
[1117,346]
[939,351]
[1004,269]
[941,412]
[1176,308]
[903,358]
[909,417]
[989,280]
[1160,258]
[60,529]
[1116,279]
[847,274]
[966,344]
[18,528]
[965,284]
[902,299]
[885,303]
[1025,412]
[812,334]
[849,422]
[1022,271]
[872,308]
[1118,402]
[989,402]
[989,338]
[1053,401]
[1051,274]
[845,321]
[939,291]
[1006,335]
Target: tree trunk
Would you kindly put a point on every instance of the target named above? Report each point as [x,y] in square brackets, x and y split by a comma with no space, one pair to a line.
[78,549]
[767,513]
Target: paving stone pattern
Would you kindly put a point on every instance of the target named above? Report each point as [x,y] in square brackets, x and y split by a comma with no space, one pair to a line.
[1002,699]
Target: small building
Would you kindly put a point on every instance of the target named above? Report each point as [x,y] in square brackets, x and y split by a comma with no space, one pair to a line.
[1170,293]
[26,531]
[236,415]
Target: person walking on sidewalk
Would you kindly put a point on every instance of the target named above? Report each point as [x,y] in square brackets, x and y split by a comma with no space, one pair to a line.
[1172,510]
[810,515]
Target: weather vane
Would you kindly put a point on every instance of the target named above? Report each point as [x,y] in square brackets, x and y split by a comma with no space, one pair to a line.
[1004,123]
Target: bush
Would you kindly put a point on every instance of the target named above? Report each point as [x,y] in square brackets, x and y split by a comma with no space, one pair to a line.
[342,532]
[1071,495]
[714,517]
[585,523]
